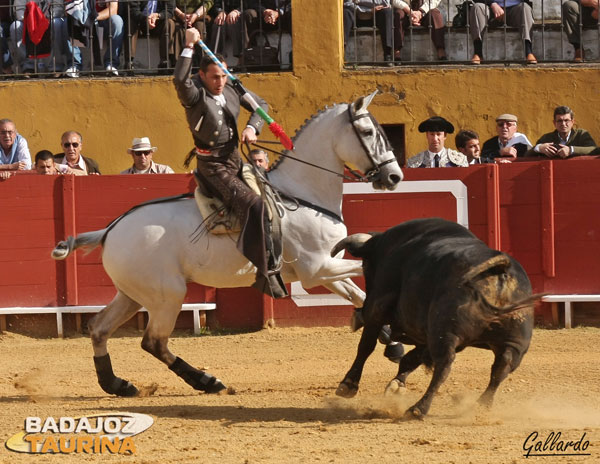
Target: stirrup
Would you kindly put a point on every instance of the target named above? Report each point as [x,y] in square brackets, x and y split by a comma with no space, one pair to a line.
[271,285]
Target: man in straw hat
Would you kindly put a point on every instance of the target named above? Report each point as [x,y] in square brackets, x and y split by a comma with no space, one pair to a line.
[141,151]
[436,129]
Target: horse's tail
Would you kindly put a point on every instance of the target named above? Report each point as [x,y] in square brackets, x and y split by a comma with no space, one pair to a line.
[88,241]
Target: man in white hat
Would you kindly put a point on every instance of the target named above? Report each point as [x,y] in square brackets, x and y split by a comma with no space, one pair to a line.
[141,151]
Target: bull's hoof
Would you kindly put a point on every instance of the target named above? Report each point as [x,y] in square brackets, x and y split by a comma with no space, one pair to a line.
[357,320]
[394,352]
[486,400]
[385,335]
[347,389]
[395,387]
[414,412]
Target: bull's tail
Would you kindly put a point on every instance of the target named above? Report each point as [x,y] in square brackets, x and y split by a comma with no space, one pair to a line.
[517,305]
[88,241]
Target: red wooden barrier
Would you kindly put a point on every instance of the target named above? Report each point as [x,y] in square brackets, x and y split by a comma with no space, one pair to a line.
[544,213]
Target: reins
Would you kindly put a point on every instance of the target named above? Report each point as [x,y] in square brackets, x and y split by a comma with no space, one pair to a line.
[357,175]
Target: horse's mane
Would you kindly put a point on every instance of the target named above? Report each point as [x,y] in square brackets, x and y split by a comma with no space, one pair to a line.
[302,128]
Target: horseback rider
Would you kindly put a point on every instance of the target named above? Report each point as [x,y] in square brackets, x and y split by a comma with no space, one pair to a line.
[212,108]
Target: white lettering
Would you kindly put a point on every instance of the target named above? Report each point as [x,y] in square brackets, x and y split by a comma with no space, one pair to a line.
[129,424]
[49,425]
[33,424]
[116,424]
[83,426]
[66,424]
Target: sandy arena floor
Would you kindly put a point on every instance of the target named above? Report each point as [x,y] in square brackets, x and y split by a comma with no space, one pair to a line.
[282,406]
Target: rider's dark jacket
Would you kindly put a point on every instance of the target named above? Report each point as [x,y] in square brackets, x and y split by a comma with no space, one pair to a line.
[212,125]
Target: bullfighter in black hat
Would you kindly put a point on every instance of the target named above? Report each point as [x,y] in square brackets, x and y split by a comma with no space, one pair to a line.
[436,128]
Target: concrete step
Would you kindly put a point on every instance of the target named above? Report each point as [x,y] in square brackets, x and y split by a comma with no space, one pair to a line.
[549,44]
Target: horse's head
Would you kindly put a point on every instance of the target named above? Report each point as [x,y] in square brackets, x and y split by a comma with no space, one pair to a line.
[375,156]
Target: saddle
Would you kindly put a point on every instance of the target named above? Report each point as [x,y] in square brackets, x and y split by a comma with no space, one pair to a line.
[218,219]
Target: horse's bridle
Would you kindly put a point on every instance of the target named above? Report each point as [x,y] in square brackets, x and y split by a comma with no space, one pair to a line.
[368,176]
[376,166]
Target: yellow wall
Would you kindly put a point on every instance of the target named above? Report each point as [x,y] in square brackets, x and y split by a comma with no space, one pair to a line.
[110,112]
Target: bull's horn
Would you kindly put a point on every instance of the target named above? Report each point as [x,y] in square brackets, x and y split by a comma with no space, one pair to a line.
[352,241]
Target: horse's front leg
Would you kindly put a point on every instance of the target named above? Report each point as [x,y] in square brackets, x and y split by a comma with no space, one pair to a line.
[320,271]
[348,290]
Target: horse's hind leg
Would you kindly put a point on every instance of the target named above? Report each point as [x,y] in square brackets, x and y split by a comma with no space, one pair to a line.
[101,327]
[161,322]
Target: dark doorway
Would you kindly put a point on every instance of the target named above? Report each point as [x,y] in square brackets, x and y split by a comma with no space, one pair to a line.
[395,134]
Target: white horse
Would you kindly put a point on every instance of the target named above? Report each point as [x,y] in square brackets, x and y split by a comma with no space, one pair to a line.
[153,251]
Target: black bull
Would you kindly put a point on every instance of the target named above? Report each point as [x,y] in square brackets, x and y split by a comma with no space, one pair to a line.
[441,289]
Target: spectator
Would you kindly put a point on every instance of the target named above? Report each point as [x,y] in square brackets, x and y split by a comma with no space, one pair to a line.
[193,13]
[436,129]
[14,152]
[71,143]
[112,25]
[45,165]
[361,14]
[467,142]
[268,15]
[148,18]
[141,151]
[5,22]
[564,141]
[259,158]
[226,16]
[419,13]
[516,13]
[53,51]
[584,12]
[508,144]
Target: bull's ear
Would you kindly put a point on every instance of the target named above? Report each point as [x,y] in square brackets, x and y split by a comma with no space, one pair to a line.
[363,102]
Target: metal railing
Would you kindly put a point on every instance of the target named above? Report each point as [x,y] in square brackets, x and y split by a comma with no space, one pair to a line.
[130,40]
[502,42]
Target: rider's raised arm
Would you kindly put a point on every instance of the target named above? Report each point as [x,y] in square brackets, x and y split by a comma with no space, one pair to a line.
[187,91]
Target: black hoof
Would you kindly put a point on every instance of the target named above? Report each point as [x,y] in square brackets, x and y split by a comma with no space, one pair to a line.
[357,320]
[214,386]
[394,352]
[347,388]
[414,413]
[127,390]
[199,380]
[385,335]
[109,382]
[119,387]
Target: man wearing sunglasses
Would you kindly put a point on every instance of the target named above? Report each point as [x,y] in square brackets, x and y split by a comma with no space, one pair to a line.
[141,151]
[71,143]
[509,144]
